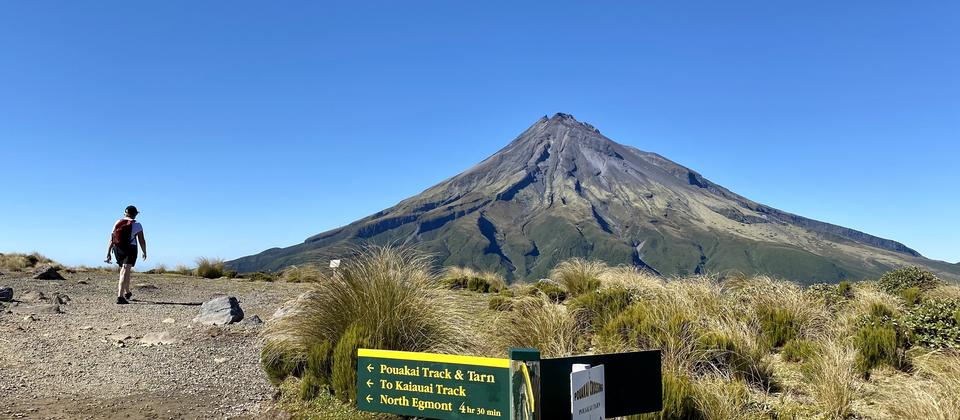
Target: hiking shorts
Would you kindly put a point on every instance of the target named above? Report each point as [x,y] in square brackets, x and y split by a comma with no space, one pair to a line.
[125,254]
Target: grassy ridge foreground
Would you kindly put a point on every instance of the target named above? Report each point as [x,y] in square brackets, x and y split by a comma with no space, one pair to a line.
[741,347]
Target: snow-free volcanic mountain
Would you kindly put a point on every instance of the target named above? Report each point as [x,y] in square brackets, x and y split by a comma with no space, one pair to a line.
[561,189]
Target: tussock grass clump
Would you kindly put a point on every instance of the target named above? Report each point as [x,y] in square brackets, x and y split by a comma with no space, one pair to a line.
[720,397]
[20,262]
[798,350]
[893,282]
[832,379]
[279,360]
[344,370]
[158,269]
[578,276]
[183,270]
[937,398]
[500,303]
[384,298]
[779,325]
[209,268]
[538,323]
[911,295]
[679,397]
[596,308]
[306,273]
[469,279]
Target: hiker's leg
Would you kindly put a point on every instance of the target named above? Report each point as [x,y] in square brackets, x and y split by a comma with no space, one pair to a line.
[128,272]
[123,274]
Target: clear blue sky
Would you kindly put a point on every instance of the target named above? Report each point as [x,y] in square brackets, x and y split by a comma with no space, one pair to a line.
[238,126]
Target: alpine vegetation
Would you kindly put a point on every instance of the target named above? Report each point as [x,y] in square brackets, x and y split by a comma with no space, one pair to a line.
[383,297]
[733,347]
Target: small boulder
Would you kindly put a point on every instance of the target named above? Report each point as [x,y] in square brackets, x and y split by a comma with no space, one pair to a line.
[32,296]
[157,338]
[169,321]
[253,320]
[47,272]
[6,294]
[61,299]
[220,311]
[29,318]
[48,309]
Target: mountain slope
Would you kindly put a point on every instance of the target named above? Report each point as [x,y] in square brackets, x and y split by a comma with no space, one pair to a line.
[561,189]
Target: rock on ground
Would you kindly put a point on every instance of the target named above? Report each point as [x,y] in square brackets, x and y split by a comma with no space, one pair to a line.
[220,311]
[6,294]
[47,272]
[157,338]
[32,296]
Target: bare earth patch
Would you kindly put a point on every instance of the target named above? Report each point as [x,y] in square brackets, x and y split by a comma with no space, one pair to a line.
[148,359]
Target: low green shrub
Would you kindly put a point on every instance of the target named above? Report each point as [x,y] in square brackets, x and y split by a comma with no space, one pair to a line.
[778,325]
[798,350]
[475,281]
[261,276]
[845,289]
[934,323]
[596,308]
[552,290]
[876,344]
[231,274]
[344,369]
[209,268]
[879,340]
[911,295]
[893,282]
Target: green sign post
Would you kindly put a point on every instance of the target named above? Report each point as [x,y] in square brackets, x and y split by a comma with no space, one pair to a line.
[438,386]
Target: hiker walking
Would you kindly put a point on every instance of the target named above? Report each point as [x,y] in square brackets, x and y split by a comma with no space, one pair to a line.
[123,242]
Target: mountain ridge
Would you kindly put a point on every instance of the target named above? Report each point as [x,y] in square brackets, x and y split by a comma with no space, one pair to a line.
[562,189]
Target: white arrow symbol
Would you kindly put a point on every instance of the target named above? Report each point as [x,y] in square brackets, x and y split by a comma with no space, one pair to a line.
[369,383]
[369,368]
[369,398]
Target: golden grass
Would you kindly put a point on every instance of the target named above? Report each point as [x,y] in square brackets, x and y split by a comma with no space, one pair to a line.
[306,273]
[720,338]
[20,262]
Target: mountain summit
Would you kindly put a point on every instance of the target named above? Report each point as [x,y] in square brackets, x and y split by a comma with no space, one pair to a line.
[561,189]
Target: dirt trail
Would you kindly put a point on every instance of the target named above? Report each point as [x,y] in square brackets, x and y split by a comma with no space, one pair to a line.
[88,362]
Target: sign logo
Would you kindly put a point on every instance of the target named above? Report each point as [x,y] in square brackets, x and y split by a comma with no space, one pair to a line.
[587,396]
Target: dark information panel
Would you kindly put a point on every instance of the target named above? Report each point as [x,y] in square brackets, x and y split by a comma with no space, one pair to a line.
[632,383]
[436,386]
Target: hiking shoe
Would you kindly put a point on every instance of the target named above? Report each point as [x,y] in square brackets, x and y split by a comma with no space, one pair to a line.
[121,300]
[128,295]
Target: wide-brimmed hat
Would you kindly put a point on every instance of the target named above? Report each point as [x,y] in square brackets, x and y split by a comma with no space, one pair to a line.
[131,210]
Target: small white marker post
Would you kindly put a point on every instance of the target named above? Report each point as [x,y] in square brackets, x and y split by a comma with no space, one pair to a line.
[334,264]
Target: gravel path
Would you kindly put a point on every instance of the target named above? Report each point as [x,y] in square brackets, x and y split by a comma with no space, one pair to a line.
[89,362]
